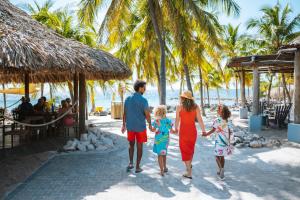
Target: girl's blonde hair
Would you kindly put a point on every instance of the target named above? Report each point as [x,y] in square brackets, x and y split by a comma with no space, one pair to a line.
[160,112]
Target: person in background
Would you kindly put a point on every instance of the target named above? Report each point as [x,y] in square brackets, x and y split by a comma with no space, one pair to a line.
[25,108]
[38,107]
[69,102]
[67,120]
[46,106]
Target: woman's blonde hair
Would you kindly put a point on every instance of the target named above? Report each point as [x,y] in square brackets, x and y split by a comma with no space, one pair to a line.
[160,112]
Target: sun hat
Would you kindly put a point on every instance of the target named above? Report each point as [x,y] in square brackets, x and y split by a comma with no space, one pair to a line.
[187,94]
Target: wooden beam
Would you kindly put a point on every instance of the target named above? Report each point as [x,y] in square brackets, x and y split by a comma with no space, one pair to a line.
[242,88]
[297,87]
[75,90]
[82,103]
[268,63]
[26,82]
[255,91]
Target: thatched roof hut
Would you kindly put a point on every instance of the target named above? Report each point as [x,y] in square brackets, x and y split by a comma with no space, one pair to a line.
[294,44]
[26,46]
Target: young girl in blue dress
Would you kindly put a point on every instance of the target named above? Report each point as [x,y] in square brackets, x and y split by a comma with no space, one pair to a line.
[162,126]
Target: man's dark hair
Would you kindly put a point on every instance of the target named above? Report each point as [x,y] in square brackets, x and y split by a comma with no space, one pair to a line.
[138,84]
[44,98]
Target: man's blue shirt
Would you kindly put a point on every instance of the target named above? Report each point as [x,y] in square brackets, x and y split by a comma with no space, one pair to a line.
[135,106]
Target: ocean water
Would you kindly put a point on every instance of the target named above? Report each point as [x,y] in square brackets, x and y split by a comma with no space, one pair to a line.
[104,98]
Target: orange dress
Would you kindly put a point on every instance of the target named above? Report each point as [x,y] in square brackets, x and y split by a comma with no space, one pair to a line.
[187,134]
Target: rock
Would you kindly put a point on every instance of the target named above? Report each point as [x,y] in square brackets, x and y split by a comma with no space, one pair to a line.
[240,145]
[107,142]
[272,143]
[238,140]
[84,137]
[101,148]
[81,147]
[92,138]
[239,134]
[255,144]
[71,145]
[90,147]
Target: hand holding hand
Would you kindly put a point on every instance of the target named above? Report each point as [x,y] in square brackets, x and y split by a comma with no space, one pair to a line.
[204,133]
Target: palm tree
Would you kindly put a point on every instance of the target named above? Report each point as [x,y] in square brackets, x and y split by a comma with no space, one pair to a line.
[277,28]
[120,13]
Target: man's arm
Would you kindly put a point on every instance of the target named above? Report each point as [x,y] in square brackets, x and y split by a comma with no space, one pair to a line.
[148,118]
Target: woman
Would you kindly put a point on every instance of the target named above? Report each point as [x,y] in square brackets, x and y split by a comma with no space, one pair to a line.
[186,114]
[68,120]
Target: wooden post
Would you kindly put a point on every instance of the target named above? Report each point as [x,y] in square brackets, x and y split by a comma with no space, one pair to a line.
[26,82]
[75,88]
[236,91]
[4,97]
[255,91]
[243,93]
[82,103]
[297,87]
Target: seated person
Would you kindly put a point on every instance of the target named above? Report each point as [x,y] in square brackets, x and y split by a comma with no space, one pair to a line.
[69,101]
[68,120]
[39,108]
[25,108]
[46,105]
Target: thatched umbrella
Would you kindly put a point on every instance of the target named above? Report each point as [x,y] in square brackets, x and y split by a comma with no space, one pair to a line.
[31,52]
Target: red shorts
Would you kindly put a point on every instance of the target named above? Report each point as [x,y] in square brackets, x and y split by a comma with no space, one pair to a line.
[140,137]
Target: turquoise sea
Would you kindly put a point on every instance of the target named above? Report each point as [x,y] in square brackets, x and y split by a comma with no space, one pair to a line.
[104,98]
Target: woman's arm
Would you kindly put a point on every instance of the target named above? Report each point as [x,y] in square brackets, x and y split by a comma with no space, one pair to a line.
[177,120]
[200,120]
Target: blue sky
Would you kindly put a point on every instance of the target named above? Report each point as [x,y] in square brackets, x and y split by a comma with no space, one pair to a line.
[249,9]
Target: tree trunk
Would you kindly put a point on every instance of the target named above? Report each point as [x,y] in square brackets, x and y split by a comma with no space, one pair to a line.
[4,97]
[75,85]
[201,91]
[160,35]
[71,88]
[242,87]
[236,91]
[93,98]
[51,91]
[269,90]
[42,89]
[219,100]
[181,84]
[285,88]
[188,78]
[297,87]
[157,77]
[207,91]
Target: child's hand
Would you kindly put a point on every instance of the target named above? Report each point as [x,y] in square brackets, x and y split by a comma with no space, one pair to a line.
[204,134]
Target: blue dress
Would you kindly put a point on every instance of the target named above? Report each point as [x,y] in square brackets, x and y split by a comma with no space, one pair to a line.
[161,140]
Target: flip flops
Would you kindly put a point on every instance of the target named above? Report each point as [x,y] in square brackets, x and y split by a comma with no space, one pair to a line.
[139,170]
[186,176]
[129,167]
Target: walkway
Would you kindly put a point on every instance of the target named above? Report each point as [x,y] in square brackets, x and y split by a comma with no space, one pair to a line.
[250,174]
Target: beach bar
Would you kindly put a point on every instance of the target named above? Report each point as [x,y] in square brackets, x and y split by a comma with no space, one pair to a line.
[32,53]
[287,60]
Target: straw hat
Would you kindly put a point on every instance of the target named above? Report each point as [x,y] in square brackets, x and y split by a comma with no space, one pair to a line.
[187,94]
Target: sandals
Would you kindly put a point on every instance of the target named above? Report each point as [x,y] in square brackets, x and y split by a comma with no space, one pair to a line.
[139,170]
[186,176]
[166,170]
[129,167]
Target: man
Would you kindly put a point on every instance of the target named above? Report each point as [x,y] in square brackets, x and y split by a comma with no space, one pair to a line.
[25,108]
[136,111]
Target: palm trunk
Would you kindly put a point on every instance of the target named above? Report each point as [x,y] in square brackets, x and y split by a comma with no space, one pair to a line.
[181,84]
[51,91]
[4,97]
[71,90]
[201,91]
[285,88]
[188,78]
[269,90]
[161,40]
[207,91]
[157,77]
[42,89]
[236,91]
[218,95]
